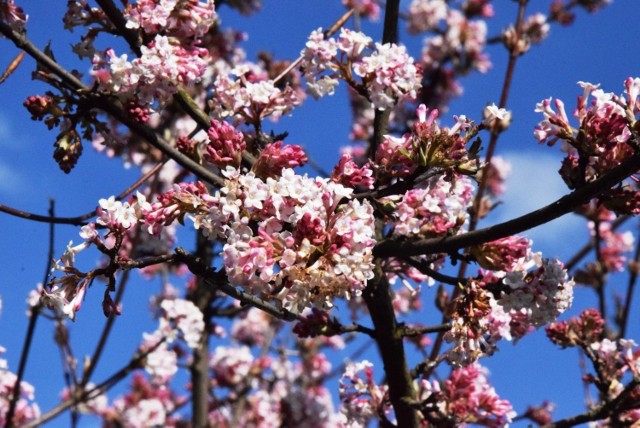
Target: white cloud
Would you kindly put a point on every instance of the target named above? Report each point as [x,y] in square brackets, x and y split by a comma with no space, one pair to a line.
[534,183]
[10,182]
[4,130]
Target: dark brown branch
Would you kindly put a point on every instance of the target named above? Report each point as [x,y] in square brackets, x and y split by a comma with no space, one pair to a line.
[218,281]
[564,205]
[202,296]
[356,328]
[120,23]
[605,410]
[391,348]
[419,331]
[423,267]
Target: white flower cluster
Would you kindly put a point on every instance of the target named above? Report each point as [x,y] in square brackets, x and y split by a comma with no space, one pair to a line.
[304,248]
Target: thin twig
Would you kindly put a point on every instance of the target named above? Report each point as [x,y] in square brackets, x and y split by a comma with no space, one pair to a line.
[101,388]
[424,268]
[419,331]
[34,312]
[633,277]
[80,220]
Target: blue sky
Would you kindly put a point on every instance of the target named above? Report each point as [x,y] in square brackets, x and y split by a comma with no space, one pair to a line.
[597,48]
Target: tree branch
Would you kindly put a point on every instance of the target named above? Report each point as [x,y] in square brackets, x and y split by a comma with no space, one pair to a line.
[566,204]
[391,348]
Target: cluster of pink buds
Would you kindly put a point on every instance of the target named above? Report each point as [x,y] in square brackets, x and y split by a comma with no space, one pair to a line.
[225,145]
[465,397]
[429,147]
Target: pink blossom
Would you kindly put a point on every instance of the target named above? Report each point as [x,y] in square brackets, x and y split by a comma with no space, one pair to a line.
[389,75]
[65,295]
[276,156]
[187,319]
[366,8]
[361,398]
[13,15]
[225,145]
[26,410]
[426,15]
[471,398]
[503,254]
[116,215]
[162,66]
[248,98]
[184,19]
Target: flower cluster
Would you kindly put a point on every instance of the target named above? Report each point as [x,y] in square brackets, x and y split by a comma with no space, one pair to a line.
[534,30]
[163,65]
[426,15]
[225,145]
[611,360]
[246,95]
[26,410]
[387,72]
[185,318]
[465,397]
[429,147]
[349,174]
[145,405]
[286,236]
[613,245]
[183,19]
[362,399]
[369,9]
[276,392]
[456,47]
[507,306]
[603,139]
[435,208]
[304,249]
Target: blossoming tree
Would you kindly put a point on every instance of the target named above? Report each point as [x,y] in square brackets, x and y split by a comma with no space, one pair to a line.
[289,264]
